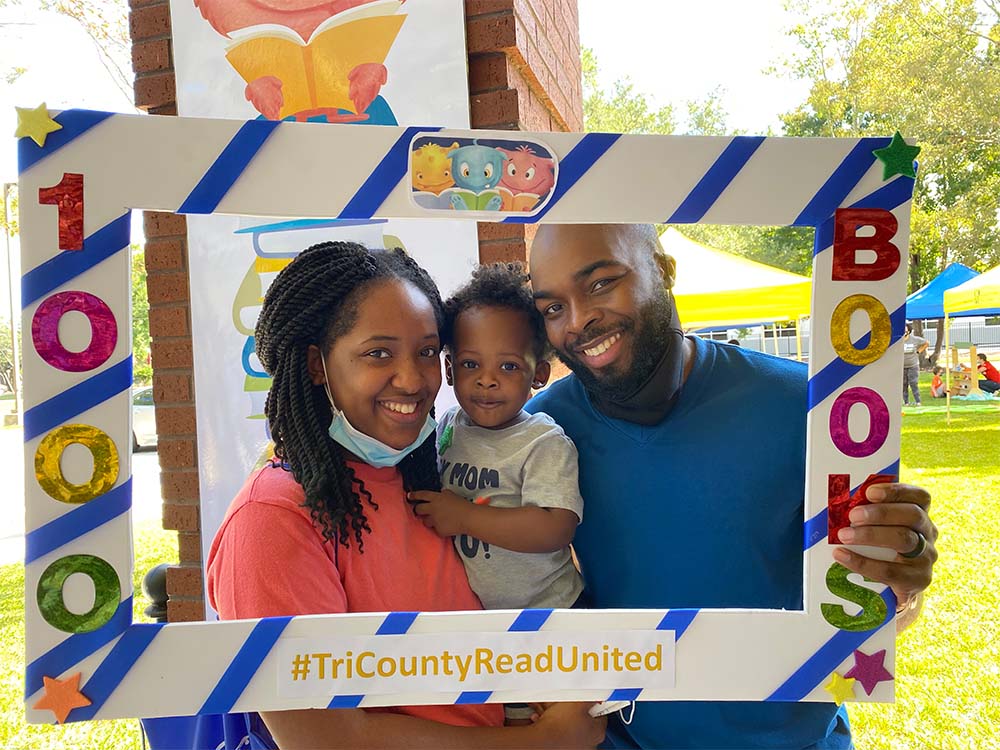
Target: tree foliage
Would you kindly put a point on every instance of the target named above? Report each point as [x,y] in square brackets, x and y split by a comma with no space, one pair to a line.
[931,69]
[8,223]
[6,358]
[623,110]
[142,369]
[106,24]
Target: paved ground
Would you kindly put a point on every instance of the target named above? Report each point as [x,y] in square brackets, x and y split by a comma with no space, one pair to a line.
[146,501]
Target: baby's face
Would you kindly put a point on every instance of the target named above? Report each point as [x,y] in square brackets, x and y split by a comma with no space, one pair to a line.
[492,365]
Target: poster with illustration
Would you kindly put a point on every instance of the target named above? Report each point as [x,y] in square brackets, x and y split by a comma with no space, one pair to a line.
[361,62]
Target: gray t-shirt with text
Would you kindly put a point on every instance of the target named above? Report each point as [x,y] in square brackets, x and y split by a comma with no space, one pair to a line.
[530,462]
[910,346]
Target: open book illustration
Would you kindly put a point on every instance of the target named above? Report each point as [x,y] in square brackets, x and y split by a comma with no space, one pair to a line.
[314,73]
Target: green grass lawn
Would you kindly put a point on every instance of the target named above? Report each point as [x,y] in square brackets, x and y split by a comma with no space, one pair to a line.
[153,546]
[947,663]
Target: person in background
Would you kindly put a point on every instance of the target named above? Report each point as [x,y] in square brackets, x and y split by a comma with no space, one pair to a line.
[913,346]
[937,385]
[988,371]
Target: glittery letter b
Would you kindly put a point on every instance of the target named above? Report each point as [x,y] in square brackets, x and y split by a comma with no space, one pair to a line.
[847,243]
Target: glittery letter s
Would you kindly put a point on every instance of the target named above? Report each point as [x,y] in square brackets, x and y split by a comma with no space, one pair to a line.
[873,607]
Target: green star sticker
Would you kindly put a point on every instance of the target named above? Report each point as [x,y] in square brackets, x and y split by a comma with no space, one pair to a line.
[897,158]
[444,442]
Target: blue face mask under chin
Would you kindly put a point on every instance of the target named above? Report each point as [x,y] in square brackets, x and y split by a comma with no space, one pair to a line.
[373,452]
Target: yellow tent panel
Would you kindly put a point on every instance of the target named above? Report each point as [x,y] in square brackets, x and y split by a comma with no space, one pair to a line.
[717,288]
[980,293]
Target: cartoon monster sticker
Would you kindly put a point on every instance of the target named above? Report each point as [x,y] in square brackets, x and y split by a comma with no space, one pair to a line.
[526,178]
[310,58]
[431,168]
[476,170]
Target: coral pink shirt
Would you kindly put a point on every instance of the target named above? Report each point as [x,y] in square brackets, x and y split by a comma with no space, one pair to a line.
[269,559]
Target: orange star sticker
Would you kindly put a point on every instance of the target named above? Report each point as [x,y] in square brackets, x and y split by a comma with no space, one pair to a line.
[62,696]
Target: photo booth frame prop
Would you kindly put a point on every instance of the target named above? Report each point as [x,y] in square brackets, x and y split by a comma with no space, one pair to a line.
[85,171]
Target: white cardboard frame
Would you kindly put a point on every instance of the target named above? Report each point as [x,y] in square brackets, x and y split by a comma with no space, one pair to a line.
[161,163]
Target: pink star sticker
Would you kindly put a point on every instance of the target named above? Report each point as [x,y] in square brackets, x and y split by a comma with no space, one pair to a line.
[869,670]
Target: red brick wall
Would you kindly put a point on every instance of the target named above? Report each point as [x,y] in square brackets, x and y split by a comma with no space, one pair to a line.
[524,74]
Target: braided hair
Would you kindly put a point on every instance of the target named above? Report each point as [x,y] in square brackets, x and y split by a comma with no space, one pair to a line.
[314,301]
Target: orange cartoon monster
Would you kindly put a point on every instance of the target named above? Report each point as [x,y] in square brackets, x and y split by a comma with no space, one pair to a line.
[310,59]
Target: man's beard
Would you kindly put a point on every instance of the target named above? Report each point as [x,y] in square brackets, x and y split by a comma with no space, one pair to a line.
[650,334]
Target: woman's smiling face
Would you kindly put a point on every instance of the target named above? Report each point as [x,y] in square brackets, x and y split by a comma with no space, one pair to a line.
[385,372]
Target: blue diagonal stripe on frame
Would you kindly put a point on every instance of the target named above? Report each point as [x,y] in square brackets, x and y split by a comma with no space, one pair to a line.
[86,395]
[228,166]
[715,181]
[529,620]
[346,701]
[113,669]
[896,193]
[244,665]
[75,122]
[67,265]
[817,528]
[572,167]
[76,648]
[840,184]
[77,522]
[396,623]
[677,620]
[384,178]
[624,694]
[473,696]
[820,665]
[838,372]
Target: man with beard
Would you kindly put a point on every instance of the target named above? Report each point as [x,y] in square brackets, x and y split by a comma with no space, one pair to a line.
[655,416]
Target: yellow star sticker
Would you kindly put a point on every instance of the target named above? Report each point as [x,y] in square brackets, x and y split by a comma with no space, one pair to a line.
[35,123]
[62,696]
[841,688]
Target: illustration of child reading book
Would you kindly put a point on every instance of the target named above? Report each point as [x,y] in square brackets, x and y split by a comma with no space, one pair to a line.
[323,75]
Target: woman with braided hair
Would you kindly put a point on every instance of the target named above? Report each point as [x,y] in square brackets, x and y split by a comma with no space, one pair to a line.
[351,339]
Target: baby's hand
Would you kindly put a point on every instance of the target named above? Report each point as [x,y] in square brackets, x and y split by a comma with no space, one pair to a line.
[444,512]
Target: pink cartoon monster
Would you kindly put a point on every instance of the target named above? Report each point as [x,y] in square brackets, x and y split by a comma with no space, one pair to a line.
[270,94]
[525,174]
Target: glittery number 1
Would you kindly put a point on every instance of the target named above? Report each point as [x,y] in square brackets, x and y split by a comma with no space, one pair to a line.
[67,196]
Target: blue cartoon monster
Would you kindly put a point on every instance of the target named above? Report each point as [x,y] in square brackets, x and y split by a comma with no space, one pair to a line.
[476,171]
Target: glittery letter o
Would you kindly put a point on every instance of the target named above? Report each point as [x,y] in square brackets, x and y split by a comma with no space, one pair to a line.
[840,329]
[48,469]
[107,593]
[45,331]
[878,417]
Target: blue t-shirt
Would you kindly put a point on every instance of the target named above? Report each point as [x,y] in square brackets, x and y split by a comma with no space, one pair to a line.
[703,509]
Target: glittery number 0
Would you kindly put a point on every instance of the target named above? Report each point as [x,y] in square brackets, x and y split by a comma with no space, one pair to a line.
[45,331]
[48,463]
[67,196]
[52,605]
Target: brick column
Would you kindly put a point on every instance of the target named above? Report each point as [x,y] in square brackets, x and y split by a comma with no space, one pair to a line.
[170,326]
[524,74]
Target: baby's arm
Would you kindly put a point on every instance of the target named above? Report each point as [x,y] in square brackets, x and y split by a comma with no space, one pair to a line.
[550,510]
[525,529]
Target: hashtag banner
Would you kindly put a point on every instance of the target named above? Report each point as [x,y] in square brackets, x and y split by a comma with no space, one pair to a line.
[77,392]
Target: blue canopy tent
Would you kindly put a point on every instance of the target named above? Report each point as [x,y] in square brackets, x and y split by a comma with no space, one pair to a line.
[928,301]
